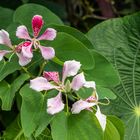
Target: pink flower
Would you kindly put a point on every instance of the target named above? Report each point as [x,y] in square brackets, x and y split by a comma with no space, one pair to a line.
[5,40]
[80,105]
[23,50]
[54,105]
[40,84]
[49,34]
[51,81]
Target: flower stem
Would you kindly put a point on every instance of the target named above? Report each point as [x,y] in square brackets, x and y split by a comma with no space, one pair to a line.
[67,104]
[11,57]
[94,108]
[42,68]
[25,69]
[77,98]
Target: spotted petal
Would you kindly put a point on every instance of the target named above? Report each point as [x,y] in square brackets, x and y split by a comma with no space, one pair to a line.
[101,118]
[3,53]
[40,84]
[51,76]
[37,23]
[47,52]
[49,34]
[4,38]
[22,32]
[70,68]
[78,82]
[80,105]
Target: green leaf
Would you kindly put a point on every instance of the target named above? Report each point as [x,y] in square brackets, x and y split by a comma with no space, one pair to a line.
[103,73]
[118,124]
[44,120]
[105,93]
[33,111]
[14,131]
[11,29]
[84,93]
[6,16]
[45,135]
[68,47]
[51,66]
[119,41]
[7,91]
[8,67]
[74,32]
[24,14]
[111,132]
[83,126]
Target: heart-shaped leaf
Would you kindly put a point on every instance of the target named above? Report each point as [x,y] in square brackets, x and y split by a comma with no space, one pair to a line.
[24,14]
[74,32]
[83,126]
[68,47]
[33,111]
[6,16]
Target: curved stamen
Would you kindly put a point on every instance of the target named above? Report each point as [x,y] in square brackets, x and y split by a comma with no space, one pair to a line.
[36,43]
[108,102]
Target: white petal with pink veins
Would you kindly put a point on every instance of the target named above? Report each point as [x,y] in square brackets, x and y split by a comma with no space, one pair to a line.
[47,52]
[22,32]
[70,68]
[37,23]
[78,82]
[55,105]
[23,60]
[4,38]
[49,34]
[80,105]
[3,53]
[101,118]
[40,84]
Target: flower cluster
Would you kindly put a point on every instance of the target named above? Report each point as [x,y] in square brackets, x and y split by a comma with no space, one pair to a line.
[24,50]
[51,80]
[72,80]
